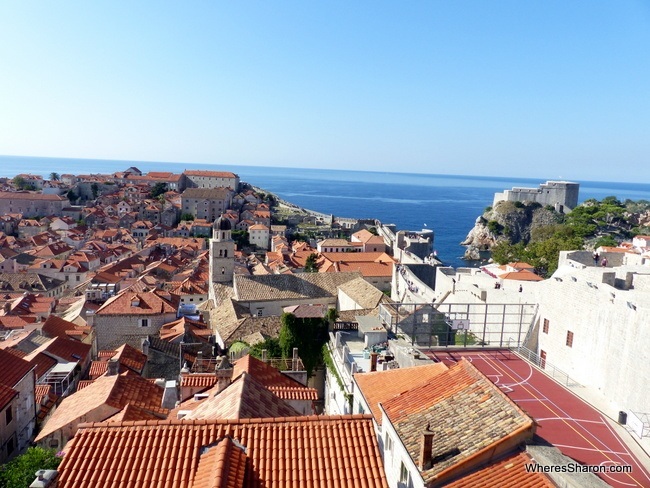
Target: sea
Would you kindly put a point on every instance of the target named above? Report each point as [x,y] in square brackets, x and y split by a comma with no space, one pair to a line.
[447,204]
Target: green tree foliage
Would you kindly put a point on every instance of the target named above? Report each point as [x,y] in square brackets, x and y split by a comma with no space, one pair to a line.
[21,184]
[605,241]
[495,227]
[310,264]
[95,189]
[272,346]
[20,472]
[187,217]
[158,189]
[54,176]
[308,335]
[72,196]
[241,238]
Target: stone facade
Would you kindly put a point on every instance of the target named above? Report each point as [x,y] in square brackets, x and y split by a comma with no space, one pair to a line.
[562,195]
[32,204]
[115,330]
[211,179]
[206,203]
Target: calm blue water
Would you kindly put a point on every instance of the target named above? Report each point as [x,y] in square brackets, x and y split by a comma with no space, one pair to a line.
[445,203]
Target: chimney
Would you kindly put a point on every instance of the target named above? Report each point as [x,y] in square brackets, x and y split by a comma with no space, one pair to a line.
[223,371]
[264,355]
[145,347]
[45,478]
[373,361]
[294,360]
[426,448]
[113,367]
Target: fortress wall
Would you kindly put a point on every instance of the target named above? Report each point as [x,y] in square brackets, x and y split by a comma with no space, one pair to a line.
[609,350]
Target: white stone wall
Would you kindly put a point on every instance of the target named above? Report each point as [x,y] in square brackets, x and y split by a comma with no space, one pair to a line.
[610,339]
[395,454]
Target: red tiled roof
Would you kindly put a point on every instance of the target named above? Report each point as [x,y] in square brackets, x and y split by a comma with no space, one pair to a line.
[6,395]
[509,472]
[105,396]
[379,386]
[68,349]
[131,358]
[222,466]
[43,364]
[148,303]
[23,195]
[494,426]
[273,379]
[83,384]
[198,380]
[315,451]
[523,275]
[243,398]
[13,369]
[210,174]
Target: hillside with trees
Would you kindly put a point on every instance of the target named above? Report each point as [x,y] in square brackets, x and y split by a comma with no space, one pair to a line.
[527,231]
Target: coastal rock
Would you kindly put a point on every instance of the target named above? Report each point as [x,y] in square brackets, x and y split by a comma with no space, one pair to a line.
[507,221]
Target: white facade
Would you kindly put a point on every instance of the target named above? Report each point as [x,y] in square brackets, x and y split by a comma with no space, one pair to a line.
[596,330]
[259,235]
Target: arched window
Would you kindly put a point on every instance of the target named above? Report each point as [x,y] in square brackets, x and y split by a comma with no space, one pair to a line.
[220,252]
[223,270]
[225,253]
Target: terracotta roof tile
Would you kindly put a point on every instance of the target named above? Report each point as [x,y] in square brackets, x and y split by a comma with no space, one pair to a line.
[104,397]
[221,466]
[6,395]
[315,451]
[273,379]
[509,472]
[212,174]
[142,303]
[485,420]
[13,369]
[380,386]
[198,380]
[243,398]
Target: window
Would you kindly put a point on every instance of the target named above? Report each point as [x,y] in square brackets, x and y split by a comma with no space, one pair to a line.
[569,338]
[9,415]
[403,473]
[11,446]
[144,322]
[542,359]
[259,312]
[545,327]
[388,443]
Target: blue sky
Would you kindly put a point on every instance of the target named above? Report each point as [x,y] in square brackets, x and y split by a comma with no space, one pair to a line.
[543,89]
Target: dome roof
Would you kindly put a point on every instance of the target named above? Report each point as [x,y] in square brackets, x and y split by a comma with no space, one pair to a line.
[222,224]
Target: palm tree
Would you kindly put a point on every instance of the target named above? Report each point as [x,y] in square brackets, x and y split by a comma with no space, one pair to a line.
[54,176]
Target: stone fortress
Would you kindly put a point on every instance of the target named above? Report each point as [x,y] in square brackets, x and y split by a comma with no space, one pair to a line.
[561,195]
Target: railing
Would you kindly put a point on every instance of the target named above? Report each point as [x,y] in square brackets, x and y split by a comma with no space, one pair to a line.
[554,372]
[339,325]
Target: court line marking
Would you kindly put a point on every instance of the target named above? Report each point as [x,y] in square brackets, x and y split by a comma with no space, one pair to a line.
[503,368]
[594,450]
[571,418]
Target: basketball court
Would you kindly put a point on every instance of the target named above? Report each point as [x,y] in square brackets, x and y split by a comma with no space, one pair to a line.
[564,420]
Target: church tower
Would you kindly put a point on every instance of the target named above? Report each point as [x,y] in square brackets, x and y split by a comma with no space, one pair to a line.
[222,252]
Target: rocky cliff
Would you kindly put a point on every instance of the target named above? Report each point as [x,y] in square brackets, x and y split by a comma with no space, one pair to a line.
[506,221]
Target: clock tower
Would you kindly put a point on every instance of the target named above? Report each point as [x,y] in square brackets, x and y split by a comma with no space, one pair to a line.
[222,252]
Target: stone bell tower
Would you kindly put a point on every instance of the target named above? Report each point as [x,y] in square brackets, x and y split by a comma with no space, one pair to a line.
[222,252]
